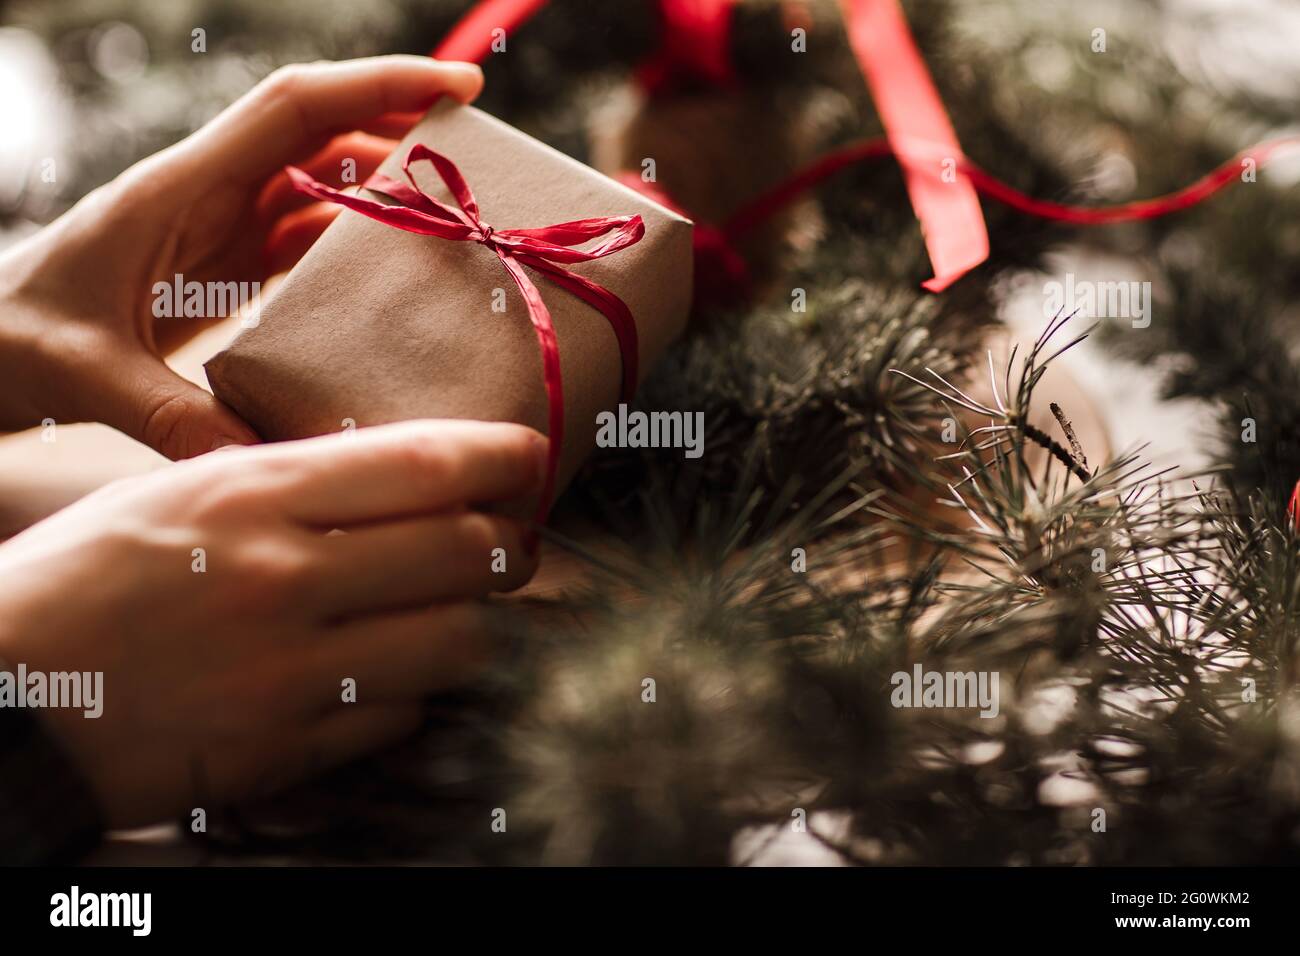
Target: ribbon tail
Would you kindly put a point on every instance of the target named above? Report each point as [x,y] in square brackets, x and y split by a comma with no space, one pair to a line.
[549,347]
[911,110]
[609,305]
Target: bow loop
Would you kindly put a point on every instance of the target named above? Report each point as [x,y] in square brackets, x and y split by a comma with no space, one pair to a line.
[448,173]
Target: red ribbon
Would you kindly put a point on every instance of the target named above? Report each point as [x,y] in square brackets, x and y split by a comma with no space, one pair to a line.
[785,192]
[694,43]
[472,37]
[921,136]
[540,249]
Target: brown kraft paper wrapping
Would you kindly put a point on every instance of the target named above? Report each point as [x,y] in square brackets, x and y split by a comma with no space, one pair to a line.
[376,324]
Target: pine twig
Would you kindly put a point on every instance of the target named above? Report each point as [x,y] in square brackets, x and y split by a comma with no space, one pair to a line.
[1053,447]
[1068,428]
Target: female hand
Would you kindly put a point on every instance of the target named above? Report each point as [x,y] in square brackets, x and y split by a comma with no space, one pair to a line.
[225,615]
[78,337]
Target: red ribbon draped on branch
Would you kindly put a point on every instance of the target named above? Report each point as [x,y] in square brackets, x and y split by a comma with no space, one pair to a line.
[541,249]
[788,190]
[696,43]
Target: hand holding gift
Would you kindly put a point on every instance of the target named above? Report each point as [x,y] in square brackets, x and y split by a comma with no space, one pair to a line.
[81,339]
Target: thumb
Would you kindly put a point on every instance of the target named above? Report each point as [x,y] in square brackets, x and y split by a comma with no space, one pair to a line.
[170,414]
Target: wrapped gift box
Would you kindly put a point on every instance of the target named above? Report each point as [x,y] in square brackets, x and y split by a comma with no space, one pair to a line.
[377,324]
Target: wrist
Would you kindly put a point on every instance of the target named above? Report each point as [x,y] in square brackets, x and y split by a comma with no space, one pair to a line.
[38,338]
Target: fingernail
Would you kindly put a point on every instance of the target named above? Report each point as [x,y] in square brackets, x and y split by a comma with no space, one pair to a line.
[460,66]
[224,441]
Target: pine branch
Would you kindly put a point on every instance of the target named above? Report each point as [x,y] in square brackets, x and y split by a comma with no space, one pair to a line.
[1053,447]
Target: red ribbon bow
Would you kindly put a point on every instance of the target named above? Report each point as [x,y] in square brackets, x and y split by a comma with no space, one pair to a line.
[696,42]
[541,249]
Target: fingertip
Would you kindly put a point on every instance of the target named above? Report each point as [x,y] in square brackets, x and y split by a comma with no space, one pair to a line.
[475,86]
[218,442]
[227,432]
[208,430]
[533,450]
[465,80]
[520,541]
[230,442]
[526,452]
